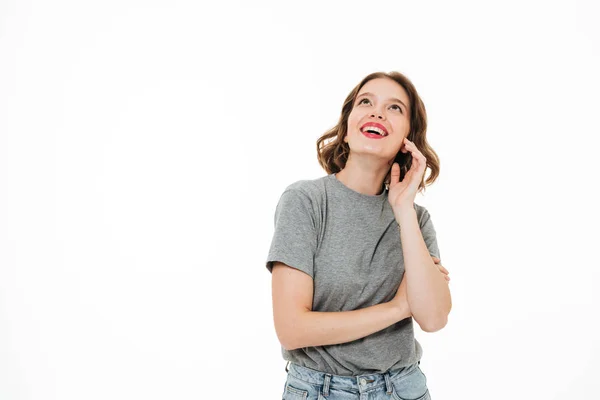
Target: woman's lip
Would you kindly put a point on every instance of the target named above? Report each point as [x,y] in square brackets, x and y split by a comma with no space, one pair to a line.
[376,125]
[372,135]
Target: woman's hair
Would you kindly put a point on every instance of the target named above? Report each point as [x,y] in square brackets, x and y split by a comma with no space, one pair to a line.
[334,153]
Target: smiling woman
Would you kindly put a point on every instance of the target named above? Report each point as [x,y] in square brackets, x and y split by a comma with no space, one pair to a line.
[354,259]
[411,123]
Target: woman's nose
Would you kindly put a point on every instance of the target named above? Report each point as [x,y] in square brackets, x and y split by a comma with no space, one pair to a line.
[378,115]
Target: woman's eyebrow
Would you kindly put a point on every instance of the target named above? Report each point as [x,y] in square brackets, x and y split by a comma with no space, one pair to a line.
[392,98]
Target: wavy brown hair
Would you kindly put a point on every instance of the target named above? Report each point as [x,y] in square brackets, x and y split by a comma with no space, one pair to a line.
[333,152]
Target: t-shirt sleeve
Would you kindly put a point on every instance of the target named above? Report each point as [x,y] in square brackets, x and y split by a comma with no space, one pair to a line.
[294,240]
[429,235]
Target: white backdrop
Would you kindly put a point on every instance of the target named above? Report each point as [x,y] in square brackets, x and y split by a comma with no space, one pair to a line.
[144,146]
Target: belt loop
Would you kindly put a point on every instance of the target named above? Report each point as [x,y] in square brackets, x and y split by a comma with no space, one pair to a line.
[326,385]
[388,382]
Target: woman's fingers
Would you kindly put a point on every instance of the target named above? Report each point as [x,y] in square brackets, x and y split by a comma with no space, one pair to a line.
[395,176]
[418,159]
[445,272]
[437,262]
[441,267]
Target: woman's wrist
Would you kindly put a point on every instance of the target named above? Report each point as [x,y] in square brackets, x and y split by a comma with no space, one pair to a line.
[404,213]
[400,309]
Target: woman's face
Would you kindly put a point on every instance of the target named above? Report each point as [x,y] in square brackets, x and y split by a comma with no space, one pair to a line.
[381,106]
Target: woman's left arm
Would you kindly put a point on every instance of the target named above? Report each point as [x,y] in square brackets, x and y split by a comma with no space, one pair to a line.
[427,290]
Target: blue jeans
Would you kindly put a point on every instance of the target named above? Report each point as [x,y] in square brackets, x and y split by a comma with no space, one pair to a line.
[408,383]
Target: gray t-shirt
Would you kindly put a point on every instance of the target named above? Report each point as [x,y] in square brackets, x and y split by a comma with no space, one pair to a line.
[349,243]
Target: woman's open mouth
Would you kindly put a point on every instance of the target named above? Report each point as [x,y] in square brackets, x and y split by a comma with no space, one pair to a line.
[374,130]
[372,135]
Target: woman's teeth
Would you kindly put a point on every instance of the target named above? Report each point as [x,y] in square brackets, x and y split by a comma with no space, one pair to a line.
[375,130]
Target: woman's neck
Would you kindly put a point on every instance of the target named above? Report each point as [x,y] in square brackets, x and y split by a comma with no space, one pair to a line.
[365,179]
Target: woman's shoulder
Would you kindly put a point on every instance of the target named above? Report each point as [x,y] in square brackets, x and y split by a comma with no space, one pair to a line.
[420,208]
[423,215]
[313,188]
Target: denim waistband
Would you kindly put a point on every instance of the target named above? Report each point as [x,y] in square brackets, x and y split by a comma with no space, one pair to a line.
[355,383]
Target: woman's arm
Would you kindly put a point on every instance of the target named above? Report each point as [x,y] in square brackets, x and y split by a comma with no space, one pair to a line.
[298,326]
[428,294]
[427,291]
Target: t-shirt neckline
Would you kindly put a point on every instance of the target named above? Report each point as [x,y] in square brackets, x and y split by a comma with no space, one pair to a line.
[356,195]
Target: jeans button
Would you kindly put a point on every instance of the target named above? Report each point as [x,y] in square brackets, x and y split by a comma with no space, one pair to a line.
[363,381]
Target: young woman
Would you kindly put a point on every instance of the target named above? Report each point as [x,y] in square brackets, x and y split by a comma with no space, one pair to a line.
[354,260]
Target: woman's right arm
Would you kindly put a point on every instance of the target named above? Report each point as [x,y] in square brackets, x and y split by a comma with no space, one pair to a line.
[298,326]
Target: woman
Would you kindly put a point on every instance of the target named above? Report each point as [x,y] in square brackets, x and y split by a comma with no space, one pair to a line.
[354,260]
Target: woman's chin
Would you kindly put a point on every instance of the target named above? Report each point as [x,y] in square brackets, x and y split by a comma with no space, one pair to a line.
[373,150]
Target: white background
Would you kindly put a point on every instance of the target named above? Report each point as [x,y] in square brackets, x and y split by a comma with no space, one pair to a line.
[144,146]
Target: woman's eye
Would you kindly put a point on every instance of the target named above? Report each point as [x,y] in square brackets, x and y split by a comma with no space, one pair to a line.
[397,107]
[361,100]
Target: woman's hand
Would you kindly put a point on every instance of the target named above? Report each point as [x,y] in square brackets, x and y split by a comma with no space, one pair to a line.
[441,268]
[402,194]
